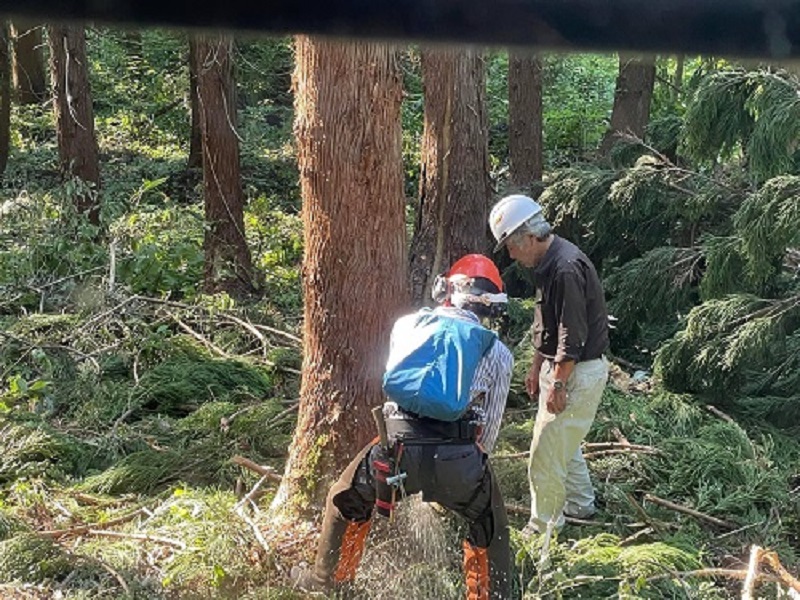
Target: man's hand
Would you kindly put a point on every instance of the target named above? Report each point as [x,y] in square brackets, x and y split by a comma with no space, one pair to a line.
[556,400]
[532,379]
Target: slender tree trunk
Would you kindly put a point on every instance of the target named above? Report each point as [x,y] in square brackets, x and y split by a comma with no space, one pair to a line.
[5,98]
[525,120]
[347,126]
[77,145]
[455,191]
[677,79]
[632,97]
[228,265]
[29,77]
[195,151]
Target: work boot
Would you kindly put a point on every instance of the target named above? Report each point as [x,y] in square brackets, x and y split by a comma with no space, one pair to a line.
[303,579]
[530,530]
[582,513]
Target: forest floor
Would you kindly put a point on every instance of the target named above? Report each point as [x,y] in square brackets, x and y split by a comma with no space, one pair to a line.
[148,473]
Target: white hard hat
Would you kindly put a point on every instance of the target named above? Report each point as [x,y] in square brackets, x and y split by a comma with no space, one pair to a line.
[509,214]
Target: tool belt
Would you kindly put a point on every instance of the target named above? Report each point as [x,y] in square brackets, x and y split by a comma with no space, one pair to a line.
[410,429]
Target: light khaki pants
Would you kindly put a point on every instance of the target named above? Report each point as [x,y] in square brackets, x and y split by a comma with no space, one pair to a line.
[558,476]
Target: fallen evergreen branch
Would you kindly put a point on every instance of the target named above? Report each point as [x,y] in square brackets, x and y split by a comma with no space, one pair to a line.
[597,449]
[688,511]
[144,537]
[266,471]
[57,534]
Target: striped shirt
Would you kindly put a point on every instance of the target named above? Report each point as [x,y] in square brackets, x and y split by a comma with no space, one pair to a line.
[492,379]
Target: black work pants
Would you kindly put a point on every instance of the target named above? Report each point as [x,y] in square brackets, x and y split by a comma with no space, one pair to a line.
[456,476]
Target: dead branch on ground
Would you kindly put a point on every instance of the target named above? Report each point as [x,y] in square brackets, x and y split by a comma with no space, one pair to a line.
[689,511]
[56,534]
[267,471]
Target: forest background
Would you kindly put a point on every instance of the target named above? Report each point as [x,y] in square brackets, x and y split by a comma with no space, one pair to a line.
[171,373]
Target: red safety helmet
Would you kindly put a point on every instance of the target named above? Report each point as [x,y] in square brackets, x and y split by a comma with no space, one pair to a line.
[477,265]
[473,283]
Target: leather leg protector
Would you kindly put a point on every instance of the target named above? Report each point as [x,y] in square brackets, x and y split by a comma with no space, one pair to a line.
[476,572]
[355,536]
[345,525]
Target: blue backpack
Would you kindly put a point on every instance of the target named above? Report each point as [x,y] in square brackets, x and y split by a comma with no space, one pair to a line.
[430,371]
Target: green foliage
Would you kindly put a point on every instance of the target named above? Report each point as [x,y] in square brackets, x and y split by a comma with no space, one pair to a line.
[577,202]
[577,97]
[578,94]
[32,448]
[717,119]
[275,238]
[31,559]
[654,289]
[725,271]
[44,238]
[143,471]
[753,112]
[598,567]
[138,80]
[263,70]
[10,525]
[412,115]
[181,385]
[768,223]
[726,339]
[161,250]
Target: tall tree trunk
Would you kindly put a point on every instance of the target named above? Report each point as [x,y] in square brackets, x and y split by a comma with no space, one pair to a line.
[29,78]
[347,126]
[77,145]
[195,141]
[632,97]
[5,98]
[525,120]
[455,191]
[228,266]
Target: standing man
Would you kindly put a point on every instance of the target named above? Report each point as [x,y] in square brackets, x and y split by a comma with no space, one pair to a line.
[445,460]
[569,371]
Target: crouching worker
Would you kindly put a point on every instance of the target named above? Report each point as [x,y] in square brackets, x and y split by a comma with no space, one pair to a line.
[447,380]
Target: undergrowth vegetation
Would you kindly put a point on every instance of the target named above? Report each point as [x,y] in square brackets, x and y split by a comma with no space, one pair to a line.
[132,402]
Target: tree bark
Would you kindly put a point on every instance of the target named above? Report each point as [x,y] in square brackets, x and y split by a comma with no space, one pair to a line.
[29,77]
[455,191]
[677,79]
[525,120]
[347,127]
[228,266]
[77,145]
[632,96]
[195,150]
[5,98]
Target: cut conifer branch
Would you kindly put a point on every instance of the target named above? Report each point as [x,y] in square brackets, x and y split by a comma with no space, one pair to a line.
[266,471]
[56,534]
[688,511]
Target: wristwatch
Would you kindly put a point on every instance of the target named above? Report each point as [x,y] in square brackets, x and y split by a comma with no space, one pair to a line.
[559,385]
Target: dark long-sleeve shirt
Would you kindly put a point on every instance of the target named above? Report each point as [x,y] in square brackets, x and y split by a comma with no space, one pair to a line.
[571,320]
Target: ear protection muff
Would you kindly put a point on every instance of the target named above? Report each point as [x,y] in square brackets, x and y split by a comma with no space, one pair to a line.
[439,290]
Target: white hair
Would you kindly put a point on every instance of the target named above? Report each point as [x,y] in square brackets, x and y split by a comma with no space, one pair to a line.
[536,226]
